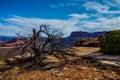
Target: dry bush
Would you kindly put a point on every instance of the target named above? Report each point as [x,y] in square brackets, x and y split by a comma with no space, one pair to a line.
[45,43]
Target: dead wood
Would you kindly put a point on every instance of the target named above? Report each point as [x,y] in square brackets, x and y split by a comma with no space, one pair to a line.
[45,43]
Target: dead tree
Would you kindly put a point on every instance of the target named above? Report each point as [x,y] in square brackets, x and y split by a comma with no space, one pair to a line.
[43,43]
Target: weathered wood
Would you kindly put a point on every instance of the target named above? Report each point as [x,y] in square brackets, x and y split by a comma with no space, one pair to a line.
[3,68]
[41,46]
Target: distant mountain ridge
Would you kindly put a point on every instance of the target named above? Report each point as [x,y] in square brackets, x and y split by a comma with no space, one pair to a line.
[4,39]
[1,36]
[81,34]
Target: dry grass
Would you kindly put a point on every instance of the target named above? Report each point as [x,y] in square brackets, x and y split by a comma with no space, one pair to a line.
[86,50]
[5,52]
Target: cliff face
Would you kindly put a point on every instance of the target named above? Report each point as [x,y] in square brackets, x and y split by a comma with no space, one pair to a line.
[81,34]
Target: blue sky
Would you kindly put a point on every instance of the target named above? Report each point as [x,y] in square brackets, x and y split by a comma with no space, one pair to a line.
[66,15]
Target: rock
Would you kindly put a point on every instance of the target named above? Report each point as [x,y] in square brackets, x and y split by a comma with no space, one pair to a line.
[112,63]
[26,55]
[59,74]
[82,68]
[94,69]
[108,57]
[104,59]
[16,68]
[93,55]
[49,66]
[89,76]
[65,68]
[18,57]
[56,72]
[95,79]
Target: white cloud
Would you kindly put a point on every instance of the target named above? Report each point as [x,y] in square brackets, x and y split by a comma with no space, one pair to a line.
[62,5]
[7,29]
[82,16]
[113,3]
[53,6]
[96,6]
[100,8]
[66,26]
[25,25]
[102,24]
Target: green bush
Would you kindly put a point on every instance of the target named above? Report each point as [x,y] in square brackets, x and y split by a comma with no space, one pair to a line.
[110,42]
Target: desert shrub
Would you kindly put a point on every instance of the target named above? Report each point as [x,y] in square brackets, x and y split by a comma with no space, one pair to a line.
[110,42]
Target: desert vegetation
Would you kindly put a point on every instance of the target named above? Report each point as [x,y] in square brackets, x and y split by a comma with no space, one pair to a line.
[110,42]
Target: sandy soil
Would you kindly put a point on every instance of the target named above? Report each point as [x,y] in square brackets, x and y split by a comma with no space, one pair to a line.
[76,69]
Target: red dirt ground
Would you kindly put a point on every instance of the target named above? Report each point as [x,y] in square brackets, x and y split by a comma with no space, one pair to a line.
[77,69]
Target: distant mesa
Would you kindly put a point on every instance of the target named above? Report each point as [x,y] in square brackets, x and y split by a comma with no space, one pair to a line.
[81,34]
[77,35]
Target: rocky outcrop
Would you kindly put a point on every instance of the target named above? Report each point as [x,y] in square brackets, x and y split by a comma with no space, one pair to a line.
[77,35]
[104,59]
